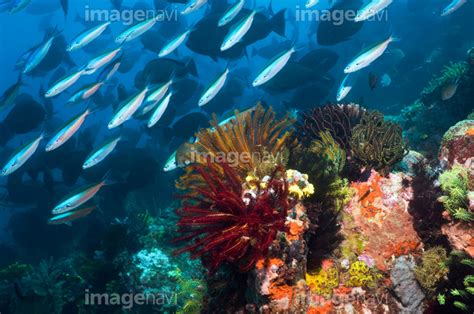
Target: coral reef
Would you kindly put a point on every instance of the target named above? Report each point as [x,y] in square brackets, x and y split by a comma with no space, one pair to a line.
[452,73]
[444,102]
[409,293]
[433,268]
[455,186]
[339,120]
[227,223]
[458,143]
[376,143]
[277,282]
[379,212]
[247,140]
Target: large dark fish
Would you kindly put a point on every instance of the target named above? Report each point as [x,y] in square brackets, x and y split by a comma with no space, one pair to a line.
[320,60]
[206,38]
[331,31]
[309,96]
[292,76]
[116,4]
[65,7]
[26,116]
[271,50]
[185,126]
[56,56]
[161,70]
[9,95]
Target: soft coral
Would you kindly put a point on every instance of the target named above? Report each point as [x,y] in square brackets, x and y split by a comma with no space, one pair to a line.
[227,223]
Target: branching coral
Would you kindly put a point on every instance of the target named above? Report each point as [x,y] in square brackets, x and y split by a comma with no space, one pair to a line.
[228,224]
[338,120]
[377,143]
[433,268]
[455,185]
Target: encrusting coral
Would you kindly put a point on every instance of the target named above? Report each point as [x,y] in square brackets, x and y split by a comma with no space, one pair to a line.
[376,143]
[433,268]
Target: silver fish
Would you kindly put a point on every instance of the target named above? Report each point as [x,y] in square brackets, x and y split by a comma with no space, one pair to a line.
[214,89]
[193,6]
[87,37]
[159,111]
[20,157]
[101,153]
[453,7]
[231,13]
[367,57]
[77,199]
[67,131]
[273,68]
[37,55]
[371,9]
[237,32]
[128,110]
[93,65]
[173,44]
[63,84]
[135,31]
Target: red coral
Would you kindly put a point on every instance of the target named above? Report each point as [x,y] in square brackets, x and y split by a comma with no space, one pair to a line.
[222,226]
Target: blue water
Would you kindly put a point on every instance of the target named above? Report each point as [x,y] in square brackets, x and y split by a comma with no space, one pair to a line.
[427,42]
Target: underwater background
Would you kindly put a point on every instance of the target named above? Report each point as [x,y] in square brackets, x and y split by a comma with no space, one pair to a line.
[232,156]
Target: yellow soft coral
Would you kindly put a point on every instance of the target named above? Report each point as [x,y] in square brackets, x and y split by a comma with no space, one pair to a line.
[360,275]
[299,186]
[323,282]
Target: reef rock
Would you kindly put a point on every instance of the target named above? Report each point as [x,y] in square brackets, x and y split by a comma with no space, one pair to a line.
[458,143]
[405,286]
[277,282]
[379,211]
[461,236]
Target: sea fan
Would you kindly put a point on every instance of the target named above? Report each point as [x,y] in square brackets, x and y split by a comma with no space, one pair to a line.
[227,223]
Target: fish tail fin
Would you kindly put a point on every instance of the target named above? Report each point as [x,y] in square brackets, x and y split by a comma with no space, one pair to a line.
[111,177]
[191,67]
[270,7]
[278,22]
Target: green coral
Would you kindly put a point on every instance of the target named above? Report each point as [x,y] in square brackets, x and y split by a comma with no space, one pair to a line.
[433,268]
[190,293]
[459,293]
[353,245]
[339,193]
[377,143]
[450,74]
[14,271]
[360,275]
[455,186]
[330,152]
[324,281]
